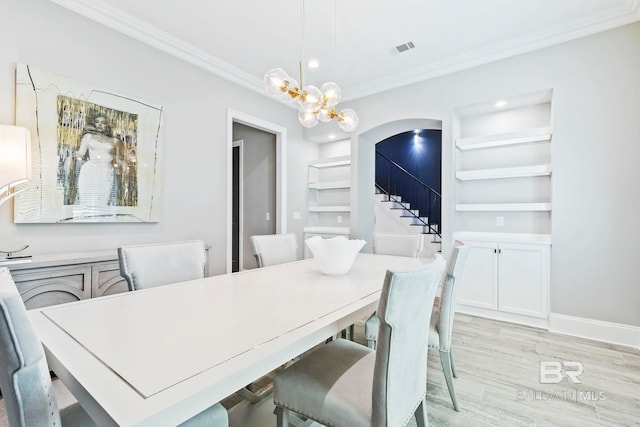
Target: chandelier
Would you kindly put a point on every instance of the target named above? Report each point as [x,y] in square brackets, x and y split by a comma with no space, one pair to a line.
[316,104]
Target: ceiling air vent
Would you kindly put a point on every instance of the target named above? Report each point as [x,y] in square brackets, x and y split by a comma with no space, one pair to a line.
[405,47]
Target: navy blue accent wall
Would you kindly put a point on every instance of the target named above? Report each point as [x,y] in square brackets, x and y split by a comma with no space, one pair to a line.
[422,156]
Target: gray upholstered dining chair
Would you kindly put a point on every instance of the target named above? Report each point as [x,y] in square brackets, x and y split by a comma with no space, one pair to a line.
[409,245]
[347,384]
[272,249]
[157,264]
[442,320]
[24,374]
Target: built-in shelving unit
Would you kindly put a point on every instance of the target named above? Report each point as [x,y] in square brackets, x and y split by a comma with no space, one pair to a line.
[503,166]
[336,208]
[504,207]
[503,174]
[329,197]
[338,231]
[330,185]
[331,162]
[522,136]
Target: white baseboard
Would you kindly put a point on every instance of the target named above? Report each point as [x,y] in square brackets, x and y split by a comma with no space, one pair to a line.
[598,330]
[614,333]
[503,316]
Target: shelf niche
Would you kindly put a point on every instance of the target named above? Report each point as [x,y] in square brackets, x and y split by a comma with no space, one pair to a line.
[503,165]
[329,197]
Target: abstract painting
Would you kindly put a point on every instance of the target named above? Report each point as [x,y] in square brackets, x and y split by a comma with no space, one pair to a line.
[96,154]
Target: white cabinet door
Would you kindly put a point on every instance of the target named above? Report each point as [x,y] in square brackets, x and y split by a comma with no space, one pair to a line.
[523,279]
[478,285]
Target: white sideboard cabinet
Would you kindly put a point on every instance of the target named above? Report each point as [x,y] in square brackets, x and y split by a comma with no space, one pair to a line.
[56,279]
[506,277]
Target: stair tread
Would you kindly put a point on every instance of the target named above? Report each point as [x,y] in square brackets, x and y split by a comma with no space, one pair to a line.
[413,215]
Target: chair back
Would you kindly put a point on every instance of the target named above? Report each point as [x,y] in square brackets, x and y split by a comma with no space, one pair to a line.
[455,265]
[272,249]
[400,372]
[409,245]
[146,266]
[24,375]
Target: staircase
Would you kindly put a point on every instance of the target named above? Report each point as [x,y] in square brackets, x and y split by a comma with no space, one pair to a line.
[413,203]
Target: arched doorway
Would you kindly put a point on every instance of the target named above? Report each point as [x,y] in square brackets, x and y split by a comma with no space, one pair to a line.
[363,170]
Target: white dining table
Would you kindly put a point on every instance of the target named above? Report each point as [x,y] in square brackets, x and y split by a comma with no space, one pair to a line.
[156,357]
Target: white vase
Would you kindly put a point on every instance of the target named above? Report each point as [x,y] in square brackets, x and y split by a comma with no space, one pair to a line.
[334,256]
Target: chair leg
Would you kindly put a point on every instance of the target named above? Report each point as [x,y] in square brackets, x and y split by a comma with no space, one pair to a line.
[421,414]
[349,333]
[255,396]
[371,344]
[445,359]
[453,365]
[282,416]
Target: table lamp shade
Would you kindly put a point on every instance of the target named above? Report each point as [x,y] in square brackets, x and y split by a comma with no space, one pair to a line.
[15,160]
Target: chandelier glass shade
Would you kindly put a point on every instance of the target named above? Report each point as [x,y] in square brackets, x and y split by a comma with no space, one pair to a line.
[315,104]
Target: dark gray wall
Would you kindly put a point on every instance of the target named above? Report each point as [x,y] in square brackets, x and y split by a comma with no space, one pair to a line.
[259,175]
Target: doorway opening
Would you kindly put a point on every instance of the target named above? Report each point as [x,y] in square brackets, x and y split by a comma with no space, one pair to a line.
[256,206]
[238,207]
[408,171]
[363,150]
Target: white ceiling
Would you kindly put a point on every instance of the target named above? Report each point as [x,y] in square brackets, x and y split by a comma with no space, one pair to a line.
[354,40]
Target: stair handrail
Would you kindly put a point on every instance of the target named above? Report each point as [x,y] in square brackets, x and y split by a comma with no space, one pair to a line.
[409,173]
[426,187]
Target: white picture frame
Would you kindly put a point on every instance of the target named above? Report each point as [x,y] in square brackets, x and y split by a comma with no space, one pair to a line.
[96,155]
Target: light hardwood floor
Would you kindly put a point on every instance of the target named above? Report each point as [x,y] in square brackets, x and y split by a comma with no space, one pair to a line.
[498,380]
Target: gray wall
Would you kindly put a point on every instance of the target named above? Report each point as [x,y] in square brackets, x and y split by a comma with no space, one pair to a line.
[595,150]
[46,36]
[259,195]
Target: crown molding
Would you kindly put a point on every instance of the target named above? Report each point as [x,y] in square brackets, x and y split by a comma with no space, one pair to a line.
[116,19]
[131,26]
[584,27]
